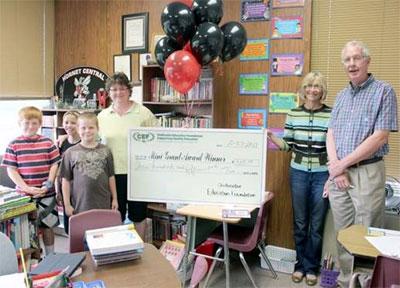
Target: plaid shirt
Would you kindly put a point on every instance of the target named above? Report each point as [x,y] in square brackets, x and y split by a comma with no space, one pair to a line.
[360,111]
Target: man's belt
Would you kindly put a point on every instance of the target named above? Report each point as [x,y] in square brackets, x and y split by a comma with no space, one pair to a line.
[366,161]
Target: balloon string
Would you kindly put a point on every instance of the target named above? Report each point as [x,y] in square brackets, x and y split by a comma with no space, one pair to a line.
[188,106]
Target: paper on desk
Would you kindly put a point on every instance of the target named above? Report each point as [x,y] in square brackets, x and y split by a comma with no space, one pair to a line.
[16,280]
[387,245]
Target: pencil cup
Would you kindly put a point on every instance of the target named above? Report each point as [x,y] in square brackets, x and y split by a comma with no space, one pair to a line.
[329,278]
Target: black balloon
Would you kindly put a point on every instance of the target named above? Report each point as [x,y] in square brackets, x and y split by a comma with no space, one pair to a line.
[207,11]
[177,21]
[207,43]
[235,40]
[165,47]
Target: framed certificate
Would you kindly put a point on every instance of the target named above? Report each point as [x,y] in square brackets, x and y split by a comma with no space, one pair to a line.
[135,33]
[122,63]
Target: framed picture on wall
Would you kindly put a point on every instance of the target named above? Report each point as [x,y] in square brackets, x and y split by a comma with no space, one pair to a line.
[122,63]
[135,33]
[144,60]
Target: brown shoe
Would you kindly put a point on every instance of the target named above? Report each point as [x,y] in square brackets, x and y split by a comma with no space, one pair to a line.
[311,279]
[297,277]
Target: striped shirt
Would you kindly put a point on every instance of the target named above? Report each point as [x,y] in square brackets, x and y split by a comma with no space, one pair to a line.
[360,111]
[32,157]
[305,134]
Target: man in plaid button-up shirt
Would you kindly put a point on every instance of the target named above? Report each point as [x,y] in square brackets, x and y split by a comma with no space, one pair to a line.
[363,116]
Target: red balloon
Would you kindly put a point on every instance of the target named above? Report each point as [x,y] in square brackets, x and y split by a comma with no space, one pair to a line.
[181,71]
[188,3]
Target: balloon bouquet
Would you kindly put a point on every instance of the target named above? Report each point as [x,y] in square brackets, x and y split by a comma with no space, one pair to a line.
[194,40]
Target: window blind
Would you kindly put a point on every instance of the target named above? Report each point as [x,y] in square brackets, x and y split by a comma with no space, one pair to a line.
[376,23]
[26,49]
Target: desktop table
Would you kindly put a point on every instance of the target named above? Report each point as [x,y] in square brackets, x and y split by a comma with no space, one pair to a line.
[151,270]
[353,240]
[210,212]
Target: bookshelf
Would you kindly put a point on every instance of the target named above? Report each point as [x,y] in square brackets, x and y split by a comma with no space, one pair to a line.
[172,108]
[22,229]
[166,223]
[52,121]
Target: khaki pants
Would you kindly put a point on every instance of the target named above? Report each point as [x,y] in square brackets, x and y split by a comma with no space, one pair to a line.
[363,205]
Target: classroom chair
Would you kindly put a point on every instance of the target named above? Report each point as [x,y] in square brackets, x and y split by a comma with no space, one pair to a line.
[199,271]
[244,239]
[10,265]
[92,219]
[385,274]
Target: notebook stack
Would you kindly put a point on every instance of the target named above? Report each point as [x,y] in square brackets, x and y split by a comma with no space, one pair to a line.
[114,244]
[13,203]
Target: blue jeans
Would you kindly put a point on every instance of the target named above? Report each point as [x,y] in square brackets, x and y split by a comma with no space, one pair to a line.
[309,209]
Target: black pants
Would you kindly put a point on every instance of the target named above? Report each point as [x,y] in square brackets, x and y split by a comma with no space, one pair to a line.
[137,211]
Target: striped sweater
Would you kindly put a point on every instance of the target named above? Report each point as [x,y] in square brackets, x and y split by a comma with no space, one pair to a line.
[305,135]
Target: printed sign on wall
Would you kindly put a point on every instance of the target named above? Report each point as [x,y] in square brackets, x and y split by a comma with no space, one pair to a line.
[80,83]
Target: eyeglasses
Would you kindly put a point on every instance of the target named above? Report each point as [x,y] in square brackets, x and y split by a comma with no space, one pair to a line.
[315,86]
[356,58]
[116,90]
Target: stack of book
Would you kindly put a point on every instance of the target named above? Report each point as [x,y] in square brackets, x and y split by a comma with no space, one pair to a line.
[13,203]
[114,244]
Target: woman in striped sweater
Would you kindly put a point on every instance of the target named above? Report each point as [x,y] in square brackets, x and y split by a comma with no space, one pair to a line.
[305,135]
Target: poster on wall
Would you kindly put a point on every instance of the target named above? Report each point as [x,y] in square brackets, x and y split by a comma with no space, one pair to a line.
[256,49]
[252,118]
[282,102]
[286,64]
[255,10]
[287,3]
[253,84]
[81,84]
[287,27]
[278,132]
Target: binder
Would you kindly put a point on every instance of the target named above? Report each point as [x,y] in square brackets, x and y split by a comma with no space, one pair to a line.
[59,261]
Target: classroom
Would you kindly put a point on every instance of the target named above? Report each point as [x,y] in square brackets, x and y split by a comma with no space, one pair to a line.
[230,102]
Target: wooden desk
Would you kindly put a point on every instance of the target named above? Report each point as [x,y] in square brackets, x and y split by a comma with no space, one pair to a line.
[353,240]
[151,270]
[210,212]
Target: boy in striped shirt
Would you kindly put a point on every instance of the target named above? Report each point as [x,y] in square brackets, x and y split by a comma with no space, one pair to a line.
[32,161]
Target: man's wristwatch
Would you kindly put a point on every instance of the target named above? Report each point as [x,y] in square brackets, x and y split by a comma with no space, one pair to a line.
[48,184]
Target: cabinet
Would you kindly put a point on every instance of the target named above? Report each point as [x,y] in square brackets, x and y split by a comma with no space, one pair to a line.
[172,108]
[53,119]
[166,223]
[21,227]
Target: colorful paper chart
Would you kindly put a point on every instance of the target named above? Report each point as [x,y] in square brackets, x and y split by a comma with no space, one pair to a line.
[282,102]
[287,27]
[286,64]
[278,132]
[287,3]
[256,49]
[252,118]
[253,84]
[255,10]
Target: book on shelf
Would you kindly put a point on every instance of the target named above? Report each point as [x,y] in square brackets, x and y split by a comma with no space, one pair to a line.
[49,121]
[10,212]
[161,91]
[12,199]
[123,238]
[18,229]
[5,189]
[49,133]
[173,251]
